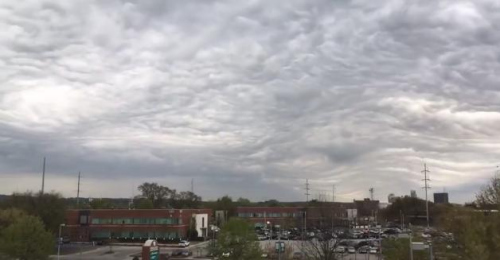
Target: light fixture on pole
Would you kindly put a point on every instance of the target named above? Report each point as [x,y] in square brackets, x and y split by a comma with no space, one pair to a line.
[59,240]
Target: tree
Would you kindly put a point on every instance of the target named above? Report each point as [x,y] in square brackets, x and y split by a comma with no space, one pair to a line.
[324,249]
[101,204]
[158,194]
[399,249]
[408,206]
[489,197]
[186,200]
[476,233]
[143,203]
[238,238]
[227,205]
[26,239]
[192,232]
[272,203]
[9,216]
[243,202]
[50,207]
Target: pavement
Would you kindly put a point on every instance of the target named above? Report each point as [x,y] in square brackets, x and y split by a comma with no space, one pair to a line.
[126,252]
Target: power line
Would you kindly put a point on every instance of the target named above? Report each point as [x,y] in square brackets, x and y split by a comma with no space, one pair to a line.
[426,187]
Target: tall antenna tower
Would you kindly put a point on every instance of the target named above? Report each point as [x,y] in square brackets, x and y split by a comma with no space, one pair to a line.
[371,193]
[426,187]
[192,185]
[78,192]
[333,193]
[307,190]
[43,176]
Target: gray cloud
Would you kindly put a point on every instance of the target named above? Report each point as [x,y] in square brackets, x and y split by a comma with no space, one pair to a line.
[250,98]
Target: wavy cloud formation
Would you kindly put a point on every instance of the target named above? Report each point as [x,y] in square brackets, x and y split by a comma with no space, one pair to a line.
[250,98]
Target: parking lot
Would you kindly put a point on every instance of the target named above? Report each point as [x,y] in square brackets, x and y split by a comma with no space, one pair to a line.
[125,252]
[298,246]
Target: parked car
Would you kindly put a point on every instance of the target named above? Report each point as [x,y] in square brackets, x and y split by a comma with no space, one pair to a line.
[299,255]
[351,250]
[373,250]
[364,250]
[425,235]
[183,243]
[186,253]
[177,253]
[340,249]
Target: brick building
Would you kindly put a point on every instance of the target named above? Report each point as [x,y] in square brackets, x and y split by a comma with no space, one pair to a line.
[89,225]
[321,215]
[277,216]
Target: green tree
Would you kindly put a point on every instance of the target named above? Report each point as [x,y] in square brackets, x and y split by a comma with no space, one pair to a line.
[238,238]
[50,207]
[26,239]
[143,203]
[9,216]
[399,249]
[407,206]
[227,205]
[477,232]
[243,202]
[158,194]
[185,200]
[192,232]
[101,204]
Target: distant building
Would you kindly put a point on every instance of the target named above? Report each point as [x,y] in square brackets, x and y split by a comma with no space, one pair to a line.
[441,198]
[135,224]
[391,198]
[413,194]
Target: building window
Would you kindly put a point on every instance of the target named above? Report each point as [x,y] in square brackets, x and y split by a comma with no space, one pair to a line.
[84,219]
[100,234]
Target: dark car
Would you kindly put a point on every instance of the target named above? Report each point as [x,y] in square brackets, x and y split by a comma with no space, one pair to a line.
[364,250]
[186,253]
[362,244]
[177,253]
[299,255]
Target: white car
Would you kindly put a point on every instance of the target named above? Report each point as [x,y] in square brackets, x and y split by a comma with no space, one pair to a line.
[183,243]
[373,250]
[351,250]
[340,249]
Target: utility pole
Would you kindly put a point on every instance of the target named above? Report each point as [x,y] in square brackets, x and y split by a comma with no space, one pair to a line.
[43,176]
[307,190]
[333,193]
[192,185]
[426,187]
[78,193]
[371,193]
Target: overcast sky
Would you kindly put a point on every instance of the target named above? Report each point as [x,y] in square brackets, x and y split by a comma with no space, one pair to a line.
[250,97]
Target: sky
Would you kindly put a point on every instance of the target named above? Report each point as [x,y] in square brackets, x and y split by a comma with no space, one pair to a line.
[250,98]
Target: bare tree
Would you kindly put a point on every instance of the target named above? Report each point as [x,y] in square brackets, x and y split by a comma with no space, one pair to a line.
[324,246]
[316,249]
[490,194]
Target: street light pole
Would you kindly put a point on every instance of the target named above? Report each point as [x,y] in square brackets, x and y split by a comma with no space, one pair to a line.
[59,240]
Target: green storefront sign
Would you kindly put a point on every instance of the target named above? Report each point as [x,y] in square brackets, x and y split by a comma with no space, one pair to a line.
[154,255]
